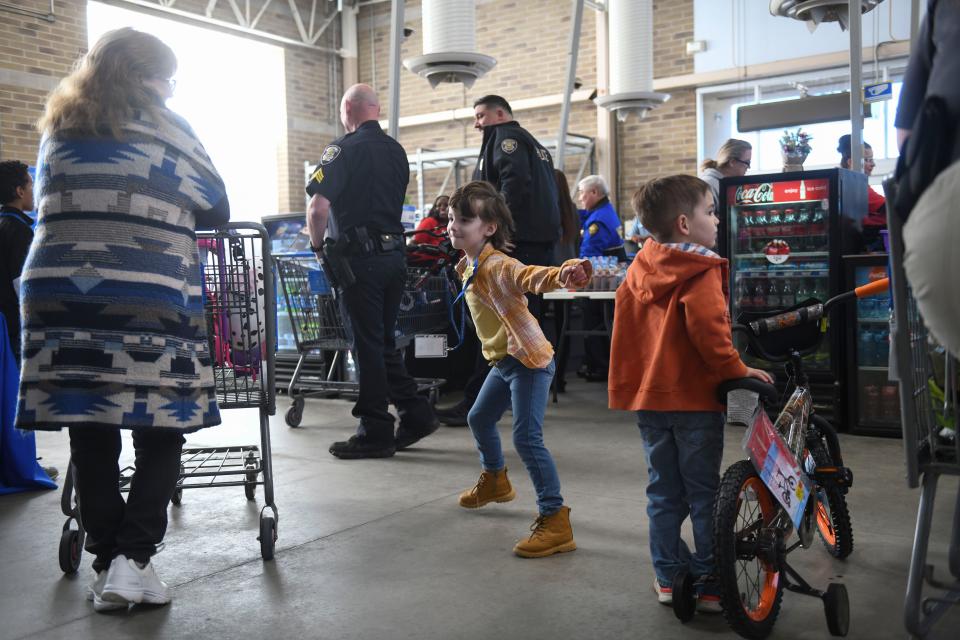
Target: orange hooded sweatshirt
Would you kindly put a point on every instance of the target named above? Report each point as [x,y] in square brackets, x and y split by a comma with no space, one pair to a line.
[671,343]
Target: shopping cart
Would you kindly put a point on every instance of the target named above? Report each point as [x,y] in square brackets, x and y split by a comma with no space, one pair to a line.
[928,407]
[319,322]
[239,305]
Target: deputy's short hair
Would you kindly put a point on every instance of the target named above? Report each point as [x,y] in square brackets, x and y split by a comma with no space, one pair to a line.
[493,101]
[661,201]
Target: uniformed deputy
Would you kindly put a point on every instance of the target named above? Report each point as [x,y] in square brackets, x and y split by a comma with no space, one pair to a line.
[599,222]
[362,179]
[600,236]
[522,171]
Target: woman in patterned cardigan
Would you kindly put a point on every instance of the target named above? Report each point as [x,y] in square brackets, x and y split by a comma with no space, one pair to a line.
[113,330]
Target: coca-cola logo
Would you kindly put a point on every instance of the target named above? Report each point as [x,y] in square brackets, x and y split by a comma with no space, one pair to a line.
[755,195]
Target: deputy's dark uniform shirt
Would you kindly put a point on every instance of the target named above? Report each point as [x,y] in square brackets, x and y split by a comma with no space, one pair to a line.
[16,234]
[522,170]
[364,175]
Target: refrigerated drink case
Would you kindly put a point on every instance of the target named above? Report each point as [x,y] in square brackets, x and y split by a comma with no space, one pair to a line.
[784,235]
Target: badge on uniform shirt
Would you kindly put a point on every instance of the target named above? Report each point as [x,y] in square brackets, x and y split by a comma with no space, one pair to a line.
[509,145]
[593,228]
[542,154]
[317,175]
[330,154]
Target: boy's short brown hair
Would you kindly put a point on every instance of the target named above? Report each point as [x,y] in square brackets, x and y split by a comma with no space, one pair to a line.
[662,200]
[480,199]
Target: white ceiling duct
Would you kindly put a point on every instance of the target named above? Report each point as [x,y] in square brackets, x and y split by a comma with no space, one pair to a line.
[813,12]
[631,59]
[449,44]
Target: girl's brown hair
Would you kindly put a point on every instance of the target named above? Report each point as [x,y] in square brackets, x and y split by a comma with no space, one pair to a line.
[480,200]
[107,85]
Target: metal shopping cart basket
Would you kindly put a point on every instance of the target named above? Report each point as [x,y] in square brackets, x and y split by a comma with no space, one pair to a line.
[928,401]
[239,305]
[320,323]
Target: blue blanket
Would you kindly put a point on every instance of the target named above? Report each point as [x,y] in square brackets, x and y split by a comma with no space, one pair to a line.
[19,470]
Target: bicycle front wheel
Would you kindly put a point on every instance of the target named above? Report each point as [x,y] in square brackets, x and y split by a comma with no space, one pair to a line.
[750,587]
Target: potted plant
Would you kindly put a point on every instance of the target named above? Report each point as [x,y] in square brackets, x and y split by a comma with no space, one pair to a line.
[794,149]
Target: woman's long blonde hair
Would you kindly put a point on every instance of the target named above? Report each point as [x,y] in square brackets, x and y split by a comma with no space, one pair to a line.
[107,85]
[730,150]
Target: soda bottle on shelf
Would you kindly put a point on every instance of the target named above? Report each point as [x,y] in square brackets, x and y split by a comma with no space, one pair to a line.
[871,404]
[744,296]
[889,403]
[743,230]
[803,292]
[865,347]
[773,294]
[788,228]
[787,298]
[819,290]
[759,296]
[759,234]
[775,223]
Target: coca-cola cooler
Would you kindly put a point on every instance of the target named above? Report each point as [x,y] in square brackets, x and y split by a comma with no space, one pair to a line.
[785,235]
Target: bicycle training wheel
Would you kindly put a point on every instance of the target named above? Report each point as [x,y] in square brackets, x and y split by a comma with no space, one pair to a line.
[833,515]
[744,549]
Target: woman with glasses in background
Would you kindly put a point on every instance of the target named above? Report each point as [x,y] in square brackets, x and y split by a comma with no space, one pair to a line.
[733,159]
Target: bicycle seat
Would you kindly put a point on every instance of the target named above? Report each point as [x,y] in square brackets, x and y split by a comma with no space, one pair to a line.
[767,392]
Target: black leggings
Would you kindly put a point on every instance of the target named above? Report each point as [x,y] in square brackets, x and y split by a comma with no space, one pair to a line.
[133,528]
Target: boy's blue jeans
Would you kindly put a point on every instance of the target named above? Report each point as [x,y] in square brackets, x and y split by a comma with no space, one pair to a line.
[511,384]
[683,451]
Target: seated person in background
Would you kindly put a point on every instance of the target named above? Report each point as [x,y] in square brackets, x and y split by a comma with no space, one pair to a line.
[600,236]
[636,233]
[599,222]
[674,299]
[432,231]
[435,220]
[876,203]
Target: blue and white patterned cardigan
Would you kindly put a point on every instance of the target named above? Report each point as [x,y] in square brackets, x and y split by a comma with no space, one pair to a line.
[112,310]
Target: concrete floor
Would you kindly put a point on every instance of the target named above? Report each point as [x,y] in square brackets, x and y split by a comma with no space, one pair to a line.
[380,549]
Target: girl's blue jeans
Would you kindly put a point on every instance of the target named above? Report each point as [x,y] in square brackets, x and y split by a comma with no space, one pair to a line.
[511,384]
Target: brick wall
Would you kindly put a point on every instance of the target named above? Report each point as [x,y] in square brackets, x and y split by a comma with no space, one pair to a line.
[529,39]
[34,55]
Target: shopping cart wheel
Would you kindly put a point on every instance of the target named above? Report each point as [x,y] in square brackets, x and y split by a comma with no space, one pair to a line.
[836,607]
[295,413]
[71,548]
[684,596]
[250,486]
[268,535]
[177,496]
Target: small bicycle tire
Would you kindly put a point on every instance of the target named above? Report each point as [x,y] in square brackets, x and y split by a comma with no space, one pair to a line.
[750,589]
[833,516]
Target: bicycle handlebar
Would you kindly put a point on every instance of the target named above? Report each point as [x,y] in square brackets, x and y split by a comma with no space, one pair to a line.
[873,288]
[785,320]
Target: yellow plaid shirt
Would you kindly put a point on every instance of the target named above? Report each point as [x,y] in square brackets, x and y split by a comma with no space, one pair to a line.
[500,283]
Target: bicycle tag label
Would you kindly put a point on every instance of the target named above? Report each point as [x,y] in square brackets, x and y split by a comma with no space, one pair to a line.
[430,346]
[777,467]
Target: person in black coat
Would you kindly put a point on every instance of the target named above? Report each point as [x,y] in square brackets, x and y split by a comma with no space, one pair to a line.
[522,171]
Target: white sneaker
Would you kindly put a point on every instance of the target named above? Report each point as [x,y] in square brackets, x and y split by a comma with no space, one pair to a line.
[128,583]
[95,588]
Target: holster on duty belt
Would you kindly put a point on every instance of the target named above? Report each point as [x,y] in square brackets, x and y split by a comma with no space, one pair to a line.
[335,264]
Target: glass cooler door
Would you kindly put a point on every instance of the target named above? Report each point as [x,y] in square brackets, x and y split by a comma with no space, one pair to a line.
[780,249]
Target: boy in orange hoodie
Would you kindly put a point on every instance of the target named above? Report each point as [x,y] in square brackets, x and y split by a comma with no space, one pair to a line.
[671,348]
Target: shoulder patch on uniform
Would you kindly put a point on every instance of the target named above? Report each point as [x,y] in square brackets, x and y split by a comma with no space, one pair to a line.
[317,175]
[593,228]
[330,154]
[509,145]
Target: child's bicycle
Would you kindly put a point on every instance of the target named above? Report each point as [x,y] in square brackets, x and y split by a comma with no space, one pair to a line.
[794,481]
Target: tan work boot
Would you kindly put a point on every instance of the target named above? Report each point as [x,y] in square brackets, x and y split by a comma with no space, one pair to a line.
[493,486]
[550,534]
